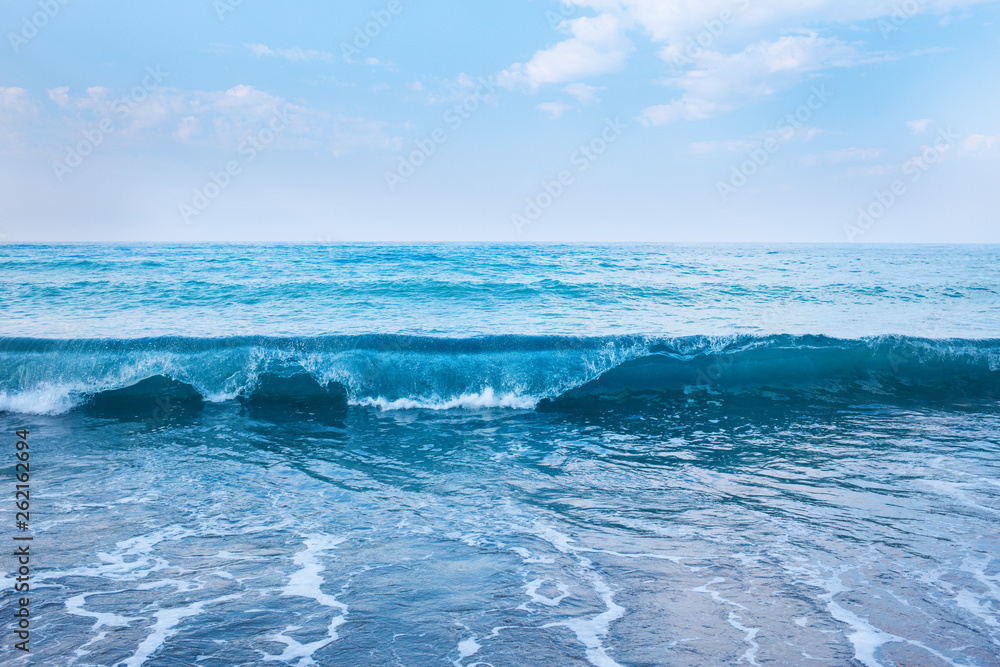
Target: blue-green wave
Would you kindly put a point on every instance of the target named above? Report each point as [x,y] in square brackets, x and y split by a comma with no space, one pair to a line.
[42,376]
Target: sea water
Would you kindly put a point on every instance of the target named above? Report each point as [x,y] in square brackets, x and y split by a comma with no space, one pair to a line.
[505,455]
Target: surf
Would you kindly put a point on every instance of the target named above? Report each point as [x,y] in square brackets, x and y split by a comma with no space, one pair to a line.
[393,372]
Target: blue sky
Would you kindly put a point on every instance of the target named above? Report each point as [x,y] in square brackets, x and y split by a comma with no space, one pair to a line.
[527,120]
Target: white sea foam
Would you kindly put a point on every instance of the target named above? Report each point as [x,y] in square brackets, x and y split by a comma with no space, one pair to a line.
[294,649]
[589,631]
[982,606]
[864,637]
[46,399]
[74,605]
[673,559]
[750,654]
[957,492]
[179,585]
[466,649]
[487,398]
[715,594]
[528,559]
[165,627]
[307,583]
[133,560]
[221,396]
[559,540]
[531,589]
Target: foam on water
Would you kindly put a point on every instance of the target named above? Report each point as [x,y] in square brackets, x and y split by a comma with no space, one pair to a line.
[166,626]
[985,605]
[531,590]
[477,401]
[591,631]
[307,583]
[750,654]
[45,399]
[74,606]
[466,649]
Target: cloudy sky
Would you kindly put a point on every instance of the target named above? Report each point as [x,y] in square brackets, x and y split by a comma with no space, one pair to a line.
[522,120]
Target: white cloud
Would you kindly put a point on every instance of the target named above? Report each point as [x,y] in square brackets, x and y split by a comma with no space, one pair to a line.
[732,65]
[460,89]
[918,126]
[851,154]
[671,21]
[219,119]
[866,172]
[842,155]
[787,134]
[978,144]
[294,54]
[189,128]
[682,109]
[17,101]
[728,146]
[59,95]
[781,136]
[555,109]
[584,93]
[598,46]
[722,82]
[97,98]
[16,109]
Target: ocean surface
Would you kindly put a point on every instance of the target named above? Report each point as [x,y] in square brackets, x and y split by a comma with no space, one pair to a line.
[504,455]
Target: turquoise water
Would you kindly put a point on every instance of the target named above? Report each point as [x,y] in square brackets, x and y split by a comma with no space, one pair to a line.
[496,455]
[460,291]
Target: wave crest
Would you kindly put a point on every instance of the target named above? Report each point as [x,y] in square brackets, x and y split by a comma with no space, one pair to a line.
[509,372]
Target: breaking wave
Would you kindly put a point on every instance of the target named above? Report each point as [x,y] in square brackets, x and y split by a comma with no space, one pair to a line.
[390,372]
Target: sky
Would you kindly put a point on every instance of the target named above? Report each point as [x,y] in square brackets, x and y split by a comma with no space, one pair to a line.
[525,121]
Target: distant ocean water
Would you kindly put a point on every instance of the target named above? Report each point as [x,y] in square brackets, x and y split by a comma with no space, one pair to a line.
[497,455]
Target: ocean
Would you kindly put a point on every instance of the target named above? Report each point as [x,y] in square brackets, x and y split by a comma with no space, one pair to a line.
[503,455]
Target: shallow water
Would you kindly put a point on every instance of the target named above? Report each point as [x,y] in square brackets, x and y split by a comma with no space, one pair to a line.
[692,533]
